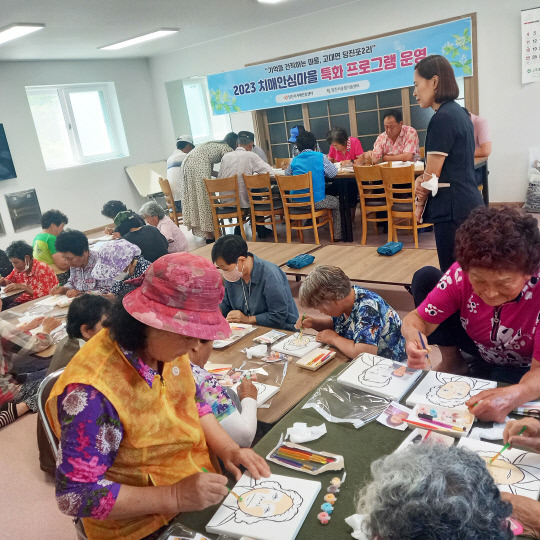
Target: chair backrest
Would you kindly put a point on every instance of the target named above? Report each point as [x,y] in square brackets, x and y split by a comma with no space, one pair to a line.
[259,190]
[223,192]
[44,391]
[279,162]
[399,184]
[369,181]
[300,182]
[169,200]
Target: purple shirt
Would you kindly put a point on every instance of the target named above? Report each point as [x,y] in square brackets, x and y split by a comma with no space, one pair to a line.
[91,435]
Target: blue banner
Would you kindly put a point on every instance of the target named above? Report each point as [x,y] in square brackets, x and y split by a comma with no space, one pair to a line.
[361,68]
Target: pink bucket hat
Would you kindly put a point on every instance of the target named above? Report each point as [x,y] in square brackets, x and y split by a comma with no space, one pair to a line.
[180,293]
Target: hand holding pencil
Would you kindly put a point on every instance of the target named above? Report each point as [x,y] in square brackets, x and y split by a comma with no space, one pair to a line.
[529,440]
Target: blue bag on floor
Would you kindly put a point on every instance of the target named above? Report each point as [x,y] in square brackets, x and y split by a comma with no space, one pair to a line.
[391,248]
[300,261]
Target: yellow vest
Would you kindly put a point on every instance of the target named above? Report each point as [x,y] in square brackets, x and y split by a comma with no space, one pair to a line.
[163,440]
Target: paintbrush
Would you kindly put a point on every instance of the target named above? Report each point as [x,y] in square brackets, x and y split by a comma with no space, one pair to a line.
[302,324]
[228,488]
[425,348]
[507,445]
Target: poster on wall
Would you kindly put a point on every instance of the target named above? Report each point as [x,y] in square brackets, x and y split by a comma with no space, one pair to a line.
[7,169]
[530,45]
[360,68]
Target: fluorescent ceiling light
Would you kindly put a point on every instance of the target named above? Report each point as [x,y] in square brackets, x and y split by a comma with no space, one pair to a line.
[17,30]
[162,32]
[269,1]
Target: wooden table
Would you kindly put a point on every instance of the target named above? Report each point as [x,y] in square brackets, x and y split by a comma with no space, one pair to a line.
[363,263]
[278,253]
[298,382]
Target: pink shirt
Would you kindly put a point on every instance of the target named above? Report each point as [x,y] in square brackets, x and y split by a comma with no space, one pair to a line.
[177,241]
[354,149]
[505,335]
[481,130]
[406,143]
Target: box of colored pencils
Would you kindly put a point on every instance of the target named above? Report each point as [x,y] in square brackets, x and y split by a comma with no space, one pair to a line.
[301,458]
[316,359]
[456,423]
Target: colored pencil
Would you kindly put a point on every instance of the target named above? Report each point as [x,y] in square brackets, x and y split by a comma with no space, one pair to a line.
[425,348]
[302,324]
[429,418]
[424,426]
[319,359]
[302,456]
[294,463]
[507,445]
[305,453]
[228,488]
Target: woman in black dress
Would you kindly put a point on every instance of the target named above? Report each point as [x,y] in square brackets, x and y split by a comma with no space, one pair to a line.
[449,152]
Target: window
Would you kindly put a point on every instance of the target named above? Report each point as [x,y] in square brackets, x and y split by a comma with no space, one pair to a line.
[77,124]
[204,125]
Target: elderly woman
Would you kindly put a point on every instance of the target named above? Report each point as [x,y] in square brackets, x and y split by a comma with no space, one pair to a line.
[436,492]
[154,215]
[449,154]
[486,304]
[256,291]
[239,422]
[129,395]
[131,227]
[119,261]
[343,148]
[357,320]
[34,278]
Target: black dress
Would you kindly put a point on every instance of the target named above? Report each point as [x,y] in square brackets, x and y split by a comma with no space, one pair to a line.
[450,133]
[152,243]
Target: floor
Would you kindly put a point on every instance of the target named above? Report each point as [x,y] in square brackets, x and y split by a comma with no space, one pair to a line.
[28,494]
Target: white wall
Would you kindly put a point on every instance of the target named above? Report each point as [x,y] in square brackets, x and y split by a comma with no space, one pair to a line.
[513,110]
[78,191]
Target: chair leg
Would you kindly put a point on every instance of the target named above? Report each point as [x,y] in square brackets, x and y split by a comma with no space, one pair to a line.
[415,233]
[288,228]
[331,225]
[301,232]
[364,227]
[315,229]
[390,227]
[216,226]
[275,228]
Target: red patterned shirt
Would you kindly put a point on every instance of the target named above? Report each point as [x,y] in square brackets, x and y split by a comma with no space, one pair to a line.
[41,280]
[406,143]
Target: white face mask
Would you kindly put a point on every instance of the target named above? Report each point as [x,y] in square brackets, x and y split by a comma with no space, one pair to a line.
[26,266]
[232,275]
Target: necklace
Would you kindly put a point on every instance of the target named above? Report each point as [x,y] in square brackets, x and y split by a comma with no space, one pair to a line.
[246,296]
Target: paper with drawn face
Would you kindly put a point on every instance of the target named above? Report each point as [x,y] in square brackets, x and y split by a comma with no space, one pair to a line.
[515,471]
[297,345]
[447,390]
[379,376]
[271,508]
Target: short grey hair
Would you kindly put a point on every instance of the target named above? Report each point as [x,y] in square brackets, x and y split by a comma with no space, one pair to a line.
[152,209]
[323,285]
[434,492]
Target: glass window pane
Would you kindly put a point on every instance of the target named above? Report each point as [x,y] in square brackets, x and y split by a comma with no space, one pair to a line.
[197,111]
[368,142]
[280,150]
[461,85]
[91,123]
[338,106]
[277,133]
[368,123]
[293,112]
[382,112]
[275,115]
[51,129]
[341,121]
[319,127]
[420,117]
[365,102]
[412,99]
[317,108]
[324,146]
[390,98]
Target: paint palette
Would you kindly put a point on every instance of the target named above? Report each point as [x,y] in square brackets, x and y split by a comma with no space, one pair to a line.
[452,422]
[379,376]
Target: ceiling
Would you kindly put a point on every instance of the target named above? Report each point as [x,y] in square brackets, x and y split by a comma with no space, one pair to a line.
[76,28]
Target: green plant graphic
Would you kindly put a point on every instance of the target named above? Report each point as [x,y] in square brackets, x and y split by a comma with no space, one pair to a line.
[223,102]
[452,50]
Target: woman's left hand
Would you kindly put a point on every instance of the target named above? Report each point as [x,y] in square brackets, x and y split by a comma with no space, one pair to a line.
[12,287]
[255,464]
[236,316]
[495,404]
[326,336]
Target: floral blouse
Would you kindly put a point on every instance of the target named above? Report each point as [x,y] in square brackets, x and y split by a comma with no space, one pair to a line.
[41,280]
[91,436]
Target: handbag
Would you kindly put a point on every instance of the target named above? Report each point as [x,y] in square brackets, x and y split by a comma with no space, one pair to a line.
[391,248]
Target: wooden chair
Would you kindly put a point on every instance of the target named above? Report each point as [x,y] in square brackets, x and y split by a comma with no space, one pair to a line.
[280,162]
[261,202]
[169,201]
[300,206]
[422,152]
[225,204]
[372,198]
[400,194]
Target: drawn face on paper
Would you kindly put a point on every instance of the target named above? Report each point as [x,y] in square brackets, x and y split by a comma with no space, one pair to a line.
[377,375]
[265,502]
[454,390]
[297,343]
[503,472]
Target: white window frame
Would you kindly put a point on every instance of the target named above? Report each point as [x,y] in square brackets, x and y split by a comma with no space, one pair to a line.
[111,112]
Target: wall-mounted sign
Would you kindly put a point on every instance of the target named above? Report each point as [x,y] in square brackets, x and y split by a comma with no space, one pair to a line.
[530,45]
[369,66]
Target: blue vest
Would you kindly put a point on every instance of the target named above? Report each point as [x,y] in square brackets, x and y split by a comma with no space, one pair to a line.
[311,161]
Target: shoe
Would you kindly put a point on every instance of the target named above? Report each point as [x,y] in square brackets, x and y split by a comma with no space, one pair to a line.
[264,232]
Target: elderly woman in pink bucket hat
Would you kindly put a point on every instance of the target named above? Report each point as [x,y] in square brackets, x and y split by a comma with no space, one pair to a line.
[134,430]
